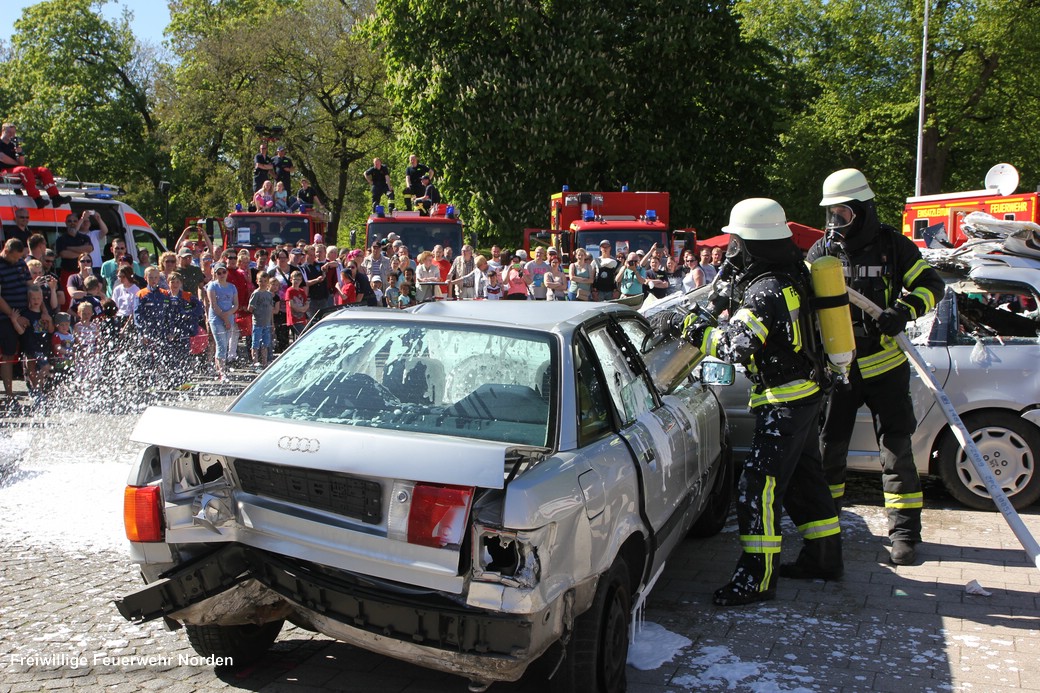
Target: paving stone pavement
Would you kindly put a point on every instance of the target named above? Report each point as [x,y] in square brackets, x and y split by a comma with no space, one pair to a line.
[882,628]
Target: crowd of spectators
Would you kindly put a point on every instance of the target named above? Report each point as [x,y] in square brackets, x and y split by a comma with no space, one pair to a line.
[65,312]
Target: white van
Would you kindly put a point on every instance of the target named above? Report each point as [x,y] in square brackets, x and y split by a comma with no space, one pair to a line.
[121,219]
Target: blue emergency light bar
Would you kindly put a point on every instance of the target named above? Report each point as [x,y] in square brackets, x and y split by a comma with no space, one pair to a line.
[651,215]
[588,215]
[380,211]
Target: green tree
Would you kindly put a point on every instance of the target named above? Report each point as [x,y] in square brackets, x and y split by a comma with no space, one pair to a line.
[78,86]
[300,65]
[857,67]
[510,100]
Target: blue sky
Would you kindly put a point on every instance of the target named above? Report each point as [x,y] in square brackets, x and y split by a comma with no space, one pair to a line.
[150,17]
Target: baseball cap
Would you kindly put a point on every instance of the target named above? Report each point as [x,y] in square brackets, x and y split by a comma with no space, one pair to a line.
[425,176]
[125,258]
[392,236]
[640,252]
[376,278]
[604,242]
[219,266]
[552,251]
[280,149]
[185,252]
[521,253]
[296,251]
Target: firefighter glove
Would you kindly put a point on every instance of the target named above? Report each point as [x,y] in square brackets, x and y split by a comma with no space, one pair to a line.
[694,327]
[893,320]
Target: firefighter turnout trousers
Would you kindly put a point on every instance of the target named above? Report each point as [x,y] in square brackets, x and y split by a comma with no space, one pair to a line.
[783,468]
[888,397]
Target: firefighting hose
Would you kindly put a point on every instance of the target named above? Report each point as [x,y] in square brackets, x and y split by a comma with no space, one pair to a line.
[960,431]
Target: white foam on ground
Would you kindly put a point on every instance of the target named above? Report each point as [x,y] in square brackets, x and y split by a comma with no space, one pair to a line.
[654,645]
[66,506]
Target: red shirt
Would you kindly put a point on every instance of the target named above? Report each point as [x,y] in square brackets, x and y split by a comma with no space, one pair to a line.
[295,317]
[240,280]
[444,266]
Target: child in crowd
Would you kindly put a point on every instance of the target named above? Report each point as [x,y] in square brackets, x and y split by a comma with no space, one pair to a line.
[493,290]
[392,293]
[85,337]
[377,287]
[297,303]
[261,306]
[62,344]
[281,197]
[406,298]
[35,343]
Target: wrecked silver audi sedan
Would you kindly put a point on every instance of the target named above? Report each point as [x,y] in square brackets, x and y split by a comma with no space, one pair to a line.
[464,485]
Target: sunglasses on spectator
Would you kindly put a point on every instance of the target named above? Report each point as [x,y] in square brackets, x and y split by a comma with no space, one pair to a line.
[223,271]
[85,262]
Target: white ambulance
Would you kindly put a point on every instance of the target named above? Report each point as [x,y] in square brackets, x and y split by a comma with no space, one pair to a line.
[121,219]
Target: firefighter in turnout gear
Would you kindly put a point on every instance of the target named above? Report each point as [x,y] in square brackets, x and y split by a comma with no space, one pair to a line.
[887,268]
[771,332]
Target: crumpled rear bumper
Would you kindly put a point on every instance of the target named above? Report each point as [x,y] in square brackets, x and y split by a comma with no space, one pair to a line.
[420,626]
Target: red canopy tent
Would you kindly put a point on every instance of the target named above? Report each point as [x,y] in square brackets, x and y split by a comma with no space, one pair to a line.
[804,237]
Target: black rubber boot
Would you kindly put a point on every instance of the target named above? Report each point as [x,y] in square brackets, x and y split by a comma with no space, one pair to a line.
[735,595]
[40,202]
[903,552]
[819,559]
[59,200]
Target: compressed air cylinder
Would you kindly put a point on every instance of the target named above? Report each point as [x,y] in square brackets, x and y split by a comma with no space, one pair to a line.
[832,309]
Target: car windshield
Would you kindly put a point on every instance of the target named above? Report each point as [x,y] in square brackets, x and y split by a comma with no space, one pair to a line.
[622,241]
[489,384]
[267,231]
[418,236]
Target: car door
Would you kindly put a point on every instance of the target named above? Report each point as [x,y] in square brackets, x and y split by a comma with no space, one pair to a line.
[653,432]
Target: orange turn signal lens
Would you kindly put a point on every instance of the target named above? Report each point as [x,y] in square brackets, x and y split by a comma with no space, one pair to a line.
[142,513]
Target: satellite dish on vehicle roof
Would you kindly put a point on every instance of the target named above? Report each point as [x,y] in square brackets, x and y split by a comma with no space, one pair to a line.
[1003,178]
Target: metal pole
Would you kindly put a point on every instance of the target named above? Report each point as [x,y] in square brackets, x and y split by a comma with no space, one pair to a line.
[961,433]
[920,106]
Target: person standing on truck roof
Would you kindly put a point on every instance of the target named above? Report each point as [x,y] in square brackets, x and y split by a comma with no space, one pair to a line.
[283,168]
[378,178]
[887,268]
[413,183]
[12,161]
[262,167]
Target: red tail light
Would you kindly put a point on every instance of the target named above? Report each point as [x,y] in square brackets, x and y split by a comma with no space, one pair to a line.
[438,514]
[142,513]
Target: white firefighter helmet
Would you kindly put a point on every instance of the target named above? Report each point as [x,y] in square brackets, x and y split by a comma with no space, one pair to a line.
[844,186]
[758,219]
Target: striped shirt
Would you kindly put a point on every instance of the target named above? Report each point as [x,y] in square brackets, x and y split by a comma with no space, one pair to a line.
[14,284]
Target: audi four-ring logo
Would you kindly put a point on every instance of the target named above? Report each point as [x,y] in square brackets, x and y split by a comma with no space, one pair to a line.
[296,444]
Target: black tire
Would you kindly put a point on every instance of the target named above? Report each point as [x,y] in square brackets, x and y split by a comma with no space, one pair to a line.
[1009,444]
[716,512]
[597,653]
[240,644]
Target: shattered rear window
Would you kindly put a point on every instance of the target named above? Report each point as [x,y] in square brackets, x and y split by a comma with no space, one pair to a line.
[494,385]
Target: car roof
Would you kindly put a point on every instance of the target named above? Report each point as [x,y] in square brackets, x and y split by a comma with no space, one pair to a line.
[545,316]
[1007,268]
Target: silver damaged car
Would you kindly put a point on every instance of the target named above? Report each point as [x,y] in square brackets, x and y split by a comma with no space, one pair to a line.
[465,485]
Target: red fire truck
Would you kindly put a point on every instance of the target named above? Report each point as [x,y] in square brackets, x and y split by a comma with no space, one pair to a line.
[419,233]
[631,221]
[930,216]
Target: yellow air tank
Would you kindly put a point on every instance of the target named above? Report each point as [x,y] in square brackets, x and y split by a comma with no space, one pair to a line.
[832,308]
